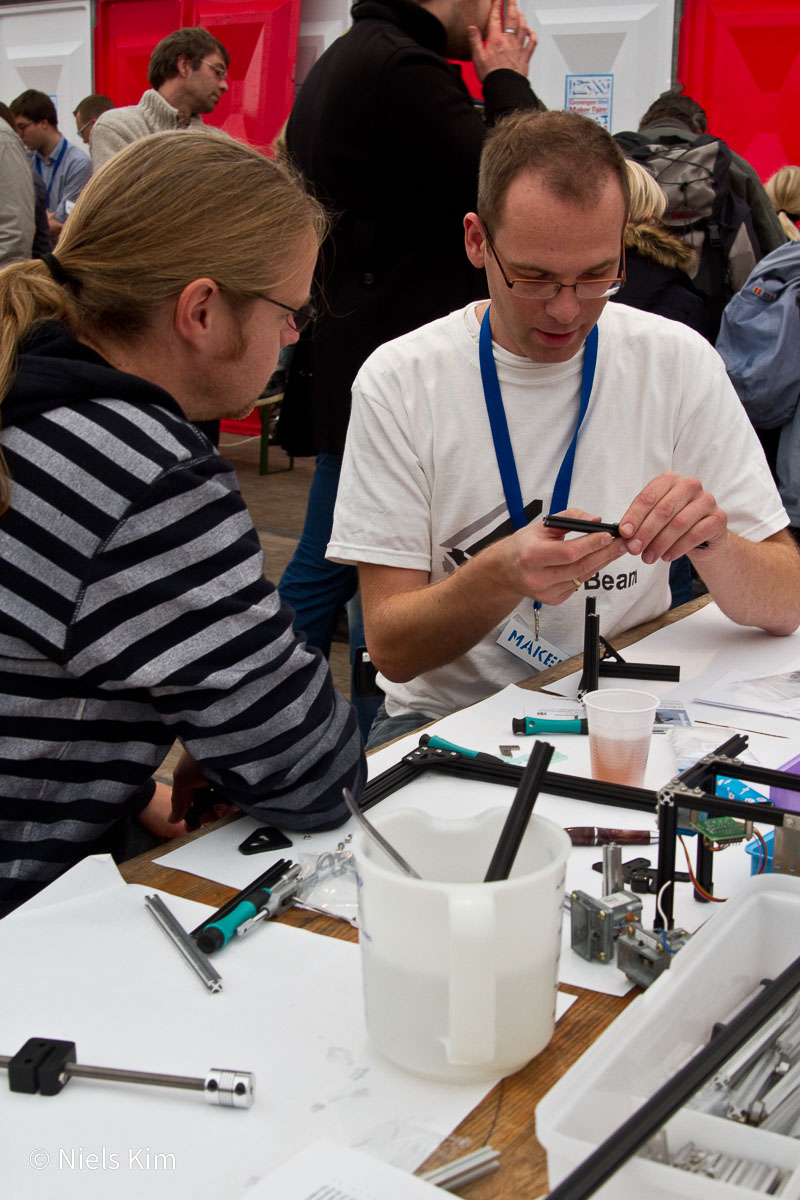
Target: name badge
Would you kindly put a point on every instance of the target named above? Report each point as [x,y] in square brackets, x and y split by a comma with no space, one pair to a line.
[520,640]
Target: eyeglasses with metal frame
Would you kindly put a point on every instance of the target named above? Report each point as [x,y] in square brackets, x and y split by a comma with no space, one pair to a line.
[300,318]
[220,72]
[548,289]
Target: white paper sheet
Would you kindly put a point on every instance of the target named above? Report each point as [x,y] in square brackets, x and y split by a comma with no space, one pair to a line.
[773,695]
[325,1171]
[96,969]
[706,645]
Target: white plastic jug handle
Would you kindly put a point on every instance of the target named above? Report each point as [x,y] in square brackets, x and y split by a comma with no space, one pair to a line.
[471,995]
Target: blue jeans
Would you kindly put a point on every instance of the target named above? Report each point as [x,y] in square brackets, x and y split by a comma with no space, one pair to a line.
[680,581]
[386,728]
[318,590]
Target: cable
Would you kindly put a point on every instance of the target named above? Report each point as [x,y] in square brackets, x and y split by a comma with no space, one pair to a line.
[698,888]
[659,909]
[664,943]
[763,857]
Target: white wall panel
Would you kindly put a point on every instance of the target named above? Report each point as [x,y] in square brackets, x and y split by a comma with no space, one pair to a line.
[48,46]
[321,23]
[608,60]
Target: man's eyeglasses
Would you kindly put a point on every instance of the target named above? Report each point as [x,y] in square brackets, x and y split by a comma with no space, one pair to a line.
[86,125]
[220,72]
[300,319]
[547,289]
[23,125]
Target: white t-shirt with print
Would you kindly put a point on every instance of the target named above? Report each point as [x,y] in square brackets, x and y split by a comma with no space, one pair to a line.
[420,486]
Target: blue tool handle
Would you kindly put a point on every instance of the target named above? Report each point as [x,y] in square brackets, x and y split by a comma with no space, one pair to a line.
[533,725]
[438,743]
[214,937]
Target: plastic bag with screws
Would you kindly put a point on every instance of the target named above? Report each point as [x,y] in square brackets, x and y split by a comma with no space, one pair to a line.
[328,884]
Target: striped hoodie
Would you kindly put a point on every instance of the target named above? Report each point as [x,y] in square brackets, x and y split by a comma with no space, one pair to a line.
[134,611]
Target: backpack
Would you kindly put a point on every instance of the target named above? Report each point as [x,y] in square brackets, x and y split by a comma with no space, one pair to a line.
[760,339]
[702,210]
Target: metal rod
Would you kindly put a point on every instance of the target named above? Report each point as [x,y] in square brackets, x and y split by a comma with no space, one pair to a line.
[222,1087]
[612,868]
[464,1170]
[206,972]
[122,1075]
[388,849]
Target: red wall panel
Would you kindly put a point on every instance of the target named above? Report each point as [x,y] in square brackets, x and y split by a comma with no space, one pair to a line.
[260,36]
[741,61]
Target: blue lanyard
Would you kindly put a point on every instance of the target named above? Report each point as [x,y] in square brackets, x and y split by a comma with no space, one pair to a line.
[500,435]
[56,165]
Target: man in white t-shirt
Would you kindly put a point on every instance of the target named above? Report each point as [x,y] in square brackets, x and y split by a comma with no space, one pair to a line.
[464,589]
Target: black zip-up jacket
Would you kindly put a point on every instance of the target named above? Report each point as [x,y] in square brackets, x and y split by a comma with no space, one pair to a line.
[388,136]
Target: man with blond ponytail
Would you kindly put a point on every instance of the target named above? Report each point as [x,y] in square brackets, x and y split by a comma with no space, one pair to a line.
[134,605]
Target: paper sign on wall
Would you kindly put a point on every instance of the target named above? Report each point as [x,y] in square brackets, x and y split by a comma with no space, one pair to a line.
[591,96]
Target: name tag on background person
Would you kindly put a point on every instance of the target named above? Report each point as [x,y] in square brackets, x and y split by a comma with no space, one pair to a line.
[519,639]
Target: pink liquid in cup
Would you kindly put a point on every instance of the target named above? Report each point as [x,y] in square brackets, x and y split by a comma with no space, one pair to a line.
[619,761]
[620,728]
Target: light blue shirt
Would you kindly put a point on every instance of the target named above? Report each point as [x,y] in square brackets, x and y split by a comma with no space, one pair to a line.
[65,180]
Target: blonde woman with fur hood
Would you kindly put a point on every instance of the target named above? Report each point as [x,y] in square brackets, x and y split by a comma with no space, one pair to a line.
[658,266]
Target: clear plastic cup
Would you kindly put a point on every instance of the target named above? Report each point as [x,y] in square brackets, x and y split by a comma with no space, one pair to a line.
[620,728]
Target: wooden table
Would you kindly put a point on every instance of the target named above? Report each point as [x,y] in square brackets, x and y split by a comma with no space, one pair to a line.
[505,1119]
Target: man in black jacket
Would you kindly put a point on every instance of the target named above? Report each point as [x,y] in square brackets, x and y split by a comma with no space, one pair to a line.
[388,137]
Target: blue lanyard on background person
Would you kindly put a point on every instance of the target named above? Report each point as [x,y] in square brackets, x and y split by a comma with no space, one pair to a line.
[56,165]
[502,441]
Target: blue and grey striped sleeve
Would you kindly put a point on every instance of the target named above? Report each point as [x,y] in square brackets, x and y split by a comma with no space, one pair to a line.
[133,611]
[176,605]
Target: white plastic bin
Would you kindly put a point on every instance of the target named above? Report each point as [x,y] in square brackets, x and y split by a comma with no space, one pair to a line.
[753,936]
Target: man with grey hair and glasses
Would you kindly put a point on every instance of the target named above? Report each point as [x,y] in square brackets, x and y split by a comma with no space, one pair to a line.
[545,399]
[188,77]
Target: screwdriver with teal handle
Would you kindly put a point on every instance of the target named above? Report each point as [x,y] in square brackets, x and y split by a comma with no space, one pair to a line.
[262,902]
[437,743]
[535,725]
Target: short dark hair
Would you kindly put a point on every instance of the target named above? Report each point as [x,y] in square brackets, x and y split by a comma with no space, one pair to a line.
[7,115]
[92,107]
[674,106]
[35,106]
[570,152]
[193,42]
